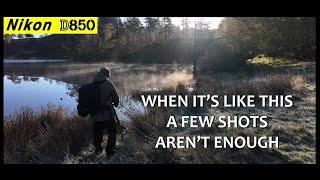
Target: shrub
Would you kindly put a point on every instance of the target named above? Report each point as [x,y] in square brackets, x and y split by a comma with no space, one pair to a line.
[221,59]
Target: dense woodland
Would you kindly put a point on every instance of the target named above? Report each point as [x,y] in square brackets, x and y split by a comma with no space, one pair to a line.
[159,41]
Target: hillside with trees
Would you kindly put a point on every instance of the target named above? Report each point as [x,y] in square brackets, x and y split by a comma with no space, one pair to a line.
[157,40]
[285,37]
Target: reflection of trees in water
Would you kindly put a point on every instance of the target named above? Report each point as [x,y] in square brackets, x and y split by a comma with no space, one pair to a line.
[46,79]
[34,79]
[126,77]
[73,90]
[26,78]
[14,78]
[18,79]
[59,82]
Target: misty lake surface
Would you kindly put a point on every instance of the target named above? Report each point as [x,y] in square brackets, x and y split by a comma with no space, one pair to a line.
[39,84]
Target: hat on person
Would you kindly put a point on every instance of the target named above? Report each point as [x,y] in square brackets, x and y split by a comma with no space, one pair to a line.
[105,71]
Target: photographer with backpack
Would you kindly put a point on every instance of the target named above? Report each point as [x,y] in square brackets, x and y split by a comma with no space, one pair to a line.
[97,99]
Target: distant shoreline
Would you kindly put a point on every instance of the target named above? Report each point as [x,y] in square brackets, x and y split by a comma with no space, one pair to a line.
[33,60]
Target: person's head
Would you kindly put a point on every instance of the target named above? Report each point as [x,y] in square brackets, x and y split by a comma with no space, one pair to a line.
[105,71]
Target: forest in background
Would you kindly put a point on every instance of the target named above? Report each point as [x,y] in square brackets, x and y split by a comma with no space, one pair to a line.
[159,41]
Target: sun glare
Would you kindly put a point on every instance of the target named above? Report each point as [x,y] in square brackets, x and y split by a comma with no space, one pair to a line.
[213,22]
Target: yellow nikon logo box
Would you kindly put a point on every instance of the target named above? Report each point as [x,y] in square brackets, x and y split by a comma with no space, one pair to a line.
[50,25]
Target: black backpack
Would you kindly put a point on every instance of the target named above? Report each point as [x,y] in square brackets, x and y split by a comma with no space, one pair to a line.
[89,98]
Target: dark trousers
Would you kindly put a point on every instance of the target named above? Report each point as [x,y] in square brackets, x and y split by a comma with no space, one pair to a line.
[98,129]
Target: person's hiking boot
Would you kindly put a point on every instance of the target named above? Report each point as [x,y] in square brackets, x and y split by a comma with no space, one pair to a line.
[109,152]
[98,150]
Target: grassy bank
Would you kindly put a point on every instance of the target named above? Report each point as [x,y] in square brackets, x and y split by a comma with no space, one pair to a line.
[55,136]
[279,63]
[45,137]
[295,128]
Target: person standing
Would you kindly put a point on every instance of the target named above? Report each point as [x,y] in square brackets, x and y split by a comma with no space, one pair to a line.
[195,58]
[104,117]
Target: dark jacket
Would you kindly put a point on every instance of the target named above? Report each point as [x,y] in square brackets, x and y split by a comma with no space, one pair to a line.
[108,97]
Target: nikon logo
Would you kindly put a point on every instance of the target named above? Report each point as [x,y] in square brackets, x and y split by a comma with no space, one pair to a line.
[28,25]
[50,25]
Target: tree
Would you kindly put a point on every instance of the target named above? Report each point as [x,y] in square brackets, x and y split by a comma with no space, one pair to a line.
[167,28]
[290,37]
[103,21]
[133,27]
[110,33]
[152,26]
[185,27]
[7,37]
[28,35]
[119,30]
[201,28]
[200,31]
[133,24]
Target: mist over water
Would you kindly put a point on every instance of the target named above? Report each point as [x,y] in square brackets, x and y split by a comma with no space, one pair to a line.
[38,84]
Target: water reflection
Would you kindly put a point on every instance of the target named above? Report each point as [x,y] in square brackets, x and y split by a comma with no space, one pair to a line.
[35,84]
[35,92]
[126,77]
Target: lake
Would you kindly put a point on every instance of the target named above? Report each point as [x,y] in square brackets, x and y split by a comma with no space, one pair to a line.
[20,91]
[38,84]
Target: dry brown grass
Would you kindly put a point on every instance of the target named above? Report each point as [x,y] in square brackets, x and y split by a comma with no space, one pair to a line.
[144,131]
[296,137]
[51,135]
[45,137]
[267,84]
